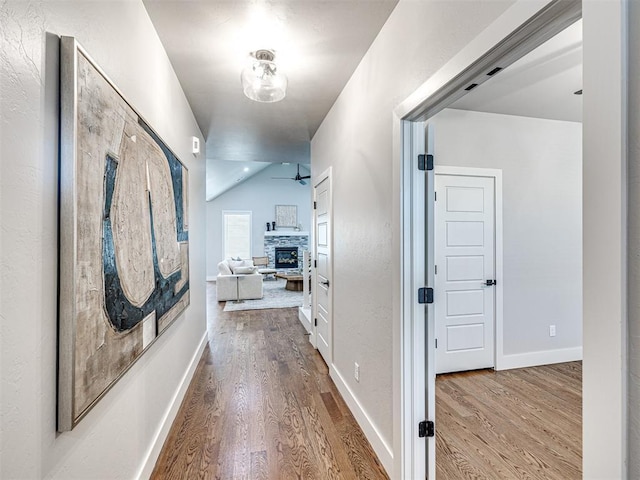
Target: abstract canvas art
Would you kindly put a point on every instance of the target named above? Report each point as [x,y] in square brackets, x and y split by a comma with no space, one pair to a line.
[124,242]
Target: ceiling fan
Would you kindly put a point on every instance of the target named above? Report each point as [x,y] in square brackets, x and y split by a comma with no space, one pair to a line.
[297,178]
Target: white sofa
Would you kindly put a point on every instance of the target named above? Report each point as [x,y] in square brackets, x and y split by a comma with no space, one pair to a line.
[238,280]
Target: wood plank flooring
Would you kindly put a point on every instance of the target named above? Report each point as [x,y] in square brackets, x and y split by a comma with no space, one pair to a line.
[262,406]
[513,424]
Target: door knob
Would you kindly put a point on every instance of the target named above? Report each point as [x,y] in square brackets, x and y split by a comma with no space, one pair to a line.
[325,283]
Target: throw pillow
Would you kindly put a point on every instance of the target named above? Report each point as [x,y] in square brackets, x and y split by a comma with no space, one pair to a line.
[233,264]
[245,270]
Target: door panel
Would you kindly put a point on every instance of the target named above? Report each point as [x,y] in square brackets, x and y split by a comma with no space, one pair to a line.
[465,234]
[465,302]
[464,199]
[465,268]
[323,234]
[464,305]
[465,337]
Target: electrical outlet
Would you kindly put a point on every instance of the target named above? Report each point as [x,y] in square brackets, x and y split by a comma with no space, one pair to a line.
[356,372]
[552,330]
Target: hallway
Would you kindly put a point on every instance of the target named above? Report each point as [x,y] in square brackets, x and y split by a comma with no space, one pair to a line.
[261,405]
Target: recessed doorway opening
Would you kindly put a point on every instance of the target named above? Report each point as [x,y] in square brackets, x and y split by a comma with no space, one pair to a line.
[435,95]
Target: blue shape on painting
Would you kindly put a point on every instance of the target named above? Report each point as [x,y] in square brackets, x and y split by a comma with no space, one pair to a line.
[122,314]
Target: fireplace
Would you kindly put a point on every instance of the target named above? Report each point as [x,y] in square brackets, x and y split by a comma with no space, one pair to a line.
[286,257]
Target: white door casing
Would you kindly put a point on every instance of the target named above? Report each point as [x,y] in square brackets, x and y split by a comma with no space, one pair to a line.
[465,259]
[322,297]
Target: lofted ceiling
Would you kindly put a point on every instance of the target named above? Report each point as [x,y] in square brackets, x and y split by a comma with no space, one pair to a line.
[318,45]
[540,84]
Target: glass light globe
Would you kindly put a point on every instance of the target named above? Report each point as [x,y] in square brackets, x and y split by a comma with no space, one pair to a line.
[261,81]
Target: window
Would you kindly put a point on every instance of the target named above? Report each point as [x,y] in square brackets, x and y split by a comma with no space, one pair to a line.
[236,234]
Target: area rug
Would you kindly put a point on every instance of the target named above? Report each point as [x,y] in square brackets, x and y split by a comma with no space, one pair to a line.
[274,296]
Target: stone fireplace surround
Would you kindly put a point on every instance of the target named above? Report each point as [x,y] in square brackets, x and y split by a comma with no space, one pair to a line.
[284,238]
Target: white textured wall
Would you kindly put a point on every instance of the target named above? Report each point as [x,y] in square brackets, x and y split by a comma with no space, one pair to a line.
[634,242]
[112,441]
[356,140]
[541,162]
[259,194]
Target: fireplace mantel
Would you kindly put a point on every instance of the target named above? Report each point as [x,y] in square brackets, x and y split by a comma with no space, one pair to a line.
[285,233]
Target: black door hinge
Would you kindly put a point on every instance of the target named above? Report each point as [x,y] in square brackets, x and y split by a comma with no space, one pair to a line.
[426,428]
[425,162]
[425,295]
[315,322]
[315,264]
[315,205]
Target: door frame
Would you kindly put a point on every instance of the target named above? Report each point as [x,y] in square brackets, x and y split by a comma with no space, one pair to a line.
[519,30]
[313,338]
[496,174]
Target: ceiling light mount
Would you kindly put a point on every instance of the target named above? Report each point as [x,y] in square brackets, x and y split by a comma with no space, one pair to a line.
[268,55]
[261,80]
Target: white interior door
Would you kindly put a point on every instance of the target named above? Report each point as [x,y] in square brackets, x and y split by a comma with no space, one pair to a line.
[465,278]
[323,277]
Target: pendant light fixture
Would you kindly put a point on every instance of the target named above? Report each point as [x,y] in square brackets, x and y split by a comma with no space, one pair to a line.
[261,80]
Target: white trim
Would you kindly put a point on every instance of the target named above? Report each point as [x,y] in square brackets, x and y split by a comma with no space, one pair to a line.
[151,456]
[212,278]
[304,315]
[605,334]
[379,445]
[496,174]
[494,34]
[285,233]
[413,404]
[544,357]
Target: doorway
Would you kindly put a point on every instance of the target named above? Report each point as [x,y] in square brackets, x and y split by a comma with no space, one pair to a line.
[604,208]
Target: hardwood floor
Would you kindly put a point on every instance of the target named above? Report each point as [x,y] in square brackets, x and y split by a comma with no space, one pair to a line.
[513,424]
[262,406]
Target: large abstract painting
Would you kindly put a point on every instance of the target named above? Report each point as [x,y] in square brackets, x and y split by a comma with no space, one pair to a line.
[124,243]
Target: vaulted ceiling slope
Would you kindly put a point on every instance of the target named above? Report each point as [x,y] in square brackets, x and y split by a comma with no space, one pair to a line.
[318,45]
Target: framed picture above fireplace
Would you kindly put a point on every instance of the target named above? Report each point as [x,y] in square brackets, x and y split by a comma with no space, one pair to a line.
[286,216]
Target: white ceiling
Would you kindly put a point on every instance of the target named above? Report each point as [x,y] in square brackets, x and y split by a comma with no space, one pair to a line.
[318,45]
[540,84]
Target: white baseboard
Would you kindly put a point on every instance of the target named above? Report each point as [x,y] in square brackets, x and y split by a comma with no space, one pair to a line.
[534,359]
[380,446]
[304,315]
[211,278]
[153,452]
